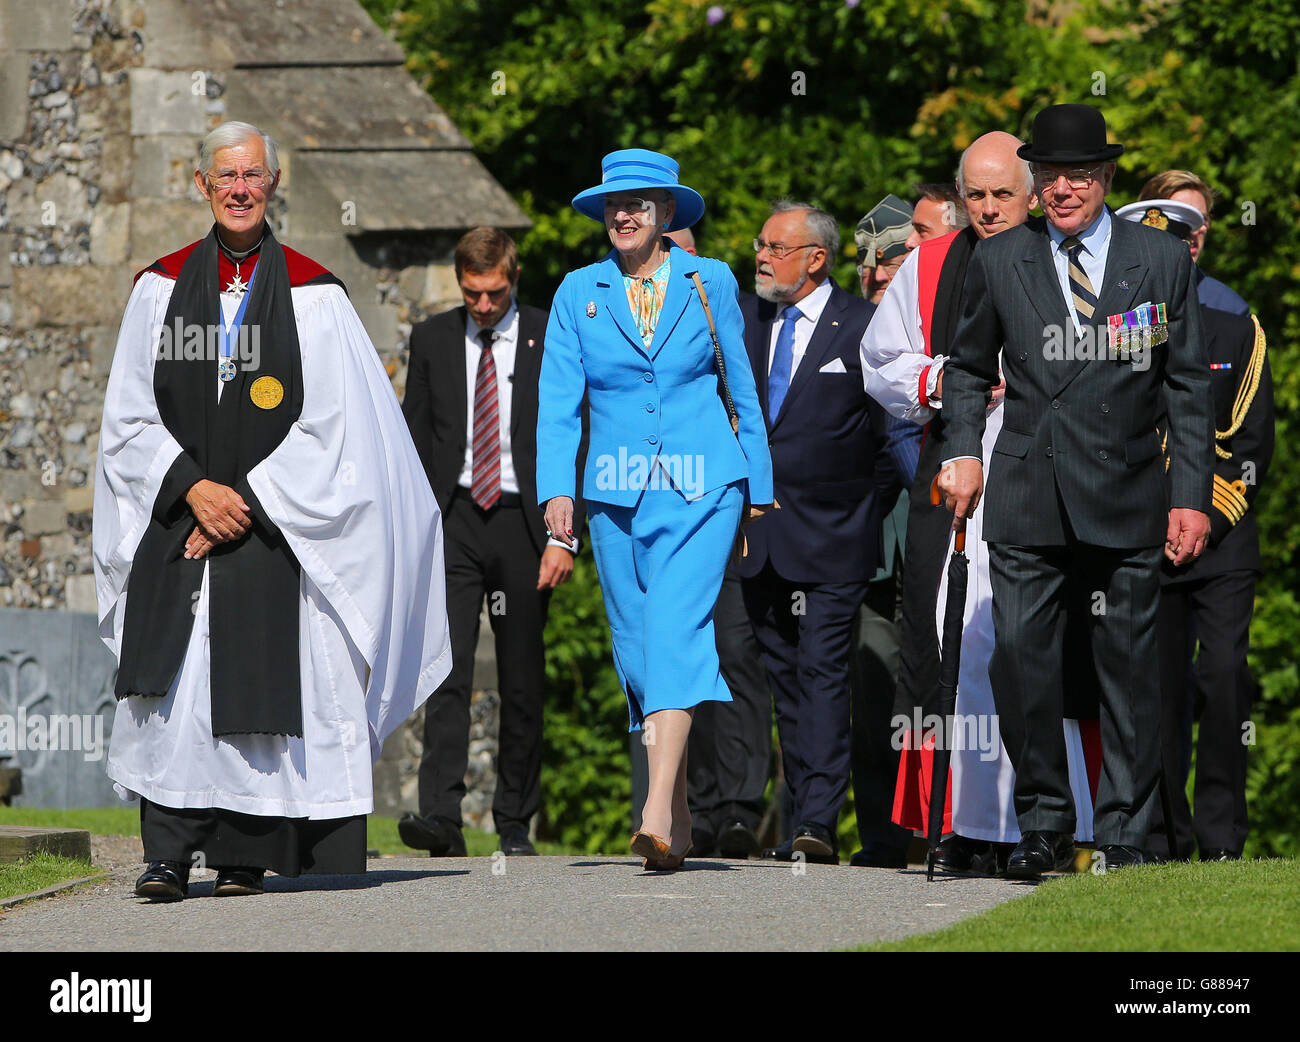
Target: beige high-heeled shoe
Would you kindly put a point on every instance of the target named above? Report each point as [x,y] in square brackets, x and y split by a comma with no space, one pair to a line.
[673,861]
[650,847]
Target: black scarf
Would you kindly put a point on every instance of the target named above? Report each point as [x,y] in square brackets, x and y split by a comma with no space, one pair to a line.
[254,580]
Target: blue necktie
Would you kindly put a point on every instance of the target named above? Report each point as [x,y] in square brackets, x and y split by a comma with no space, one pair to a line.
[778,380]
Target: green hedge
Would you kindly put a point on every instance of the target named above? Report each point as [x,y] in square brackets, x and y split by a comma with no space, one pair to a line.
[839,104]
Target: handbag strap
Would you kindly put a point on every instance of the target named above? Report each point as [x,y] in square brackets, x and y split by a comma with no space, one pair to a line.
[717,356]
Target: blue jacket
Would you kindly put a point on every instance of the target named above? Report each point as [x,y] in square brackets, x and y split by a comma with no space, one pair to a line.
[647,405]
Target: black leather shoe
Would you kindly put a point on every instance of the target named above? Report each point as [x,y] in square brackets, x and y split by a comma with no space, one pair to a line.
[879,855]
[1114,856]
[441,837]
[737,841]
[816,843]
[238,882]
[785,852]
[164,881]
[1039,852]
[996,860]
[515,842]
[1219,854]
[958,855]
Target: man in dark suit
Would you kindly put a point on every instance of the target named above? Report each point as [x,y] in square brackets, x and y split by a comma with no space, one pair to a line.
[1206,605]
[1099,331]
[471,405]
[806,564]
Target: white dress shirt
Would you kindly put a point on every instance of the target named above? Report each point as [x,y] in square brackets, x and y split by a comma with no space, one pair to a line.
[505,343]
[810,310]
[505,339]
[893,355]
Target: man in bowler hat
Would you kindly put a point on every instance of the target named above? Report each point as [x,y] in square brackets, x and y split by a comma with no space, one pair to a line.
[1099,332]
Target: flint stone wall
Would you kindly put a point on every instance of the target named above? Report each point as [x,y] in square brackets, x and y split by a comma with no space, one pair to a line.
[102,106]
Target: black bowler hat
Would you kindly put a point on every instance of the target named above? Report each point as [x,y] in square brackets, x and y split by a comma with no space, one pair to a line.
[1069,134]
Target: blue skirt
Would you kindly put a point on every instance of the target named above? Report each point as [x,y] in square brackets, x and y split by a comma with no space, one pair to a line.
[661,564]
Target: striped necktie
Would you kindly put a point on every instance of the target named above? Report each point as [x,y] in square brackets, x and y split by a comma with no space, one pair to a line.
[1085,300]
[486,473]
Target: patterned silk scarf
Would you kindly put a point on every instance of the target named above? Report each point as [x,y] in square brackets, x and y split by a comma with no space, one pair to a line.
[645,296]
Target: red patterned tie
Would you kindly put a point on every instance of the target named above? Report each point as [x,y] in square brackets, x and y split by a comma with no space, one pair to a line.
[486,488]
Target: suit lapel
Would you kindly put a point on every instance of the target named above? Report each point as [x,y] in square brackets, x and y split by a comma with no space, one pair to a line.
[526,359]
[1037,274]
[615,302]
[1125,274]
[681,288]
[457,368]
[758,335]
[820,345]
[1120,286]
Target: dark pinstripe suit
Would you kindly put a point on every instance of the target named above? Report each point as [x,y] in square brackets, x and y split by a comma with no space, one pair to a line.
[1077,492]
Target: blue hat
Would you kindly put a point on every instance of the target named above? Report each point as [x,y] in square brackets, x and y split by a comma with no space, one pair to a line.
[631,169]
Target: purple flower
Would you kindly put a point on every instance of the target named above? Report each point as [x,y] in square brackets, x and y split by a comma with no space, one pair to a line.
[850,3]
[716,14]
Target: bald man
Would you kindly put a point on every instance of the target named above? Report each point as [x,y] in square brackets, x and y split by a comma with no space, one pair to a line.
[903,355]
[685,238]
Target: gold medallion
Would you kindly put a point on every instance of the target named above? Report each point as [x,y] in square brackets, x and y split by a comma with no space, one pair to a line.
[267,392]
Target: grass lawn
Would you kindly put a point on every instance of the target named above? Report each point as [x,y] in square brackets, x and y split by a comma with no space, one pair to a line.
[125,821]
[39,871]
[1212,906]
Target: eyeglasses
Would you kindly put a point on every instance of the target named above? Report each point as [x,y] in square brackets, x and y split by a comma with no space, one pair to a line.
[635,205]
[780,250]
[226,179]
[889,267]
[1080,177]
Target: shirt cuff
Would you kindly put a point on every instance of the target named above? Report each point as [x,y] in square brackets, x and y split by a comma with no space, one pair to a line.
[577,545]
[929,383]
[954,459]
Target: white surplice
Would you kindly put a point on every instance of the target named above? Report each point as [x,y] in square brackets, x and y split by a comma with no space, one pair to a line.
[348,493]
[983,785]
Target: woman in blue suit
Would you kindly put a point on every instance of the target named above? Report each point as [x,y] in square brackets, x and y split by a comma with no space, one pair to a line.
[667,480]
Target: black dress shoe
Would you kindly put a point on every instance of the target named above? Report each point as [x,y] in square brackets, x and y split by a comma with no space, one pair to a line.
[816,843]
[785,852]
[703,842]
[878,855]
[515,842]
[238,882]
[996,860]
[1039,852]
[164,881]
[737,841]
[958,855]
[1113,856]
[441,837]
[1219,854]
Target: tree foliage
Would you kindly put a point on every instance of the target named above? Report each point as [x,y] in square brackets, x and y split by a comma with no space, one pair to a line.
[840,102]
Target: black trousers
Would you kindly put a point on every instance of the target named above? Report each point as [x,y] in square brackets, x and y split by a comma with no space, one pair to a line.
[214,838]
[1215,613]
[489,555]
[873,673]
[806,633]
[730,750]
[1032,590]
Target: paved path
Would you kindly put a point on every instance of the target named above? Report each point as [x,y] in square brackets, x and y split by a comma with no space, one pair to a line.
[543,903]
